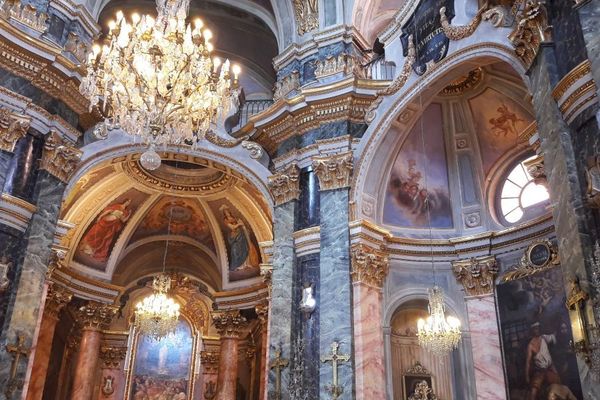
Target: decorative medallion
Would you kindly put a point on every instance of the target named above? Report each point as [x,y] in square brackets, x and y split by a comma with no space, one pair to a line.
[539,256]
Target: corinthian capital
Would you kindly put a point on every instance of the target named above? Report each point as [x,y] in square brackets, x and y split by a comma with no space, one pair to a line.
[56,299]
[476,274]
[334,171]
[59,158]
[369,266]
[94,315]
[284,185]
[12,128]
[229,323]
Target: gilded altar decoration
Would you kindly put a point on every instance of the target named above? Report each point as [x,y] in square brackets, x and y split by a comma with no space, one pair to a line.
[286,85]
[112,356]
[438,334]
[345,64]
[12,128]
[531,30]
[307,15]
[476,274]
[60,158]
[162,70]
[462,31]
[333,171]
[284,185]
[498,16]
[396,85]
[335,358]
[539,256]
[592,173]
[535,168]
[26,14]
[95,315]
[57,298]
[229,323]
[369,266]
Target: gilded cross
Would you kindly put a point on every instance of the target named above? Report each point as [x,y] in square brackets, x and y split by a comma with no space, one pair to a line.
[17,350]
[278,364]
[335,359]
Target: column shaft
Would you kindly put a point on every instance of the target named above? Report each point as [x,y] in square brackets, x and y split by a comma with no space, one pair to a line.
[43,347]
[228,369]
[87,361]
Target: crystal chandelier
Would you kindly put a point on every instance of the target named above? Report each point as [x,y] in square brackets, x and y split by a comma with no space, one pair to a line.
[157,80]
[157,315]
[438,334]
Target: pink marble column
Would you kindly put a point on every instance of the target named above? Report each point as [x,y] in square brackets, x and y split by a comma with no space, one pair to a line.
[369,269]
[230,325]
[262,310]
[56,299]
[93,316]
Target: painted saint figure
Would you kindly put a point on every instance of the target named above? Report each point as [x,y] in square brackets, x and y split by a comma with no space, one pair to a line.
[242,252]
[539,367]
[99,239]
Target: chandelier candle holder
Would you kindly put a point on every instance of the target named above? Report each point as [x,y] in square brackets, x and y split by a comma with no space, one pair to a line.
[438,334]
[157,315]
[155,79]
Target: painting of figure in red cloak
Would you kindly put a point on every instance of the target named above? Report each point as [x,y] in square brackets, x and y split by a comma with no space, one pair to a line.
[97,242]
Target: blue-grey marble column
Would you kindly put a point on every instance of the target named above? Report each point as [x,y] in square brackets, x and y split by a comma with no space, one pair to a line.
[335,300]
[281,294]
[22,169]
[589,17]
[5,158]
[31,269]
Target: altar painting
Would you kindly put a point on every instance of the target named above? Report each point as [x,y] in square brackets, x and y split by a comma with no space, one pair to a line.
[420,171]
[536,333]
[162,368]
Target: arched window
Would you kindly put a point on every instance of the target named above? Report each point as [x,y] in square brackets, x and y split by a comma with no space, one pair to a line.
[521,198]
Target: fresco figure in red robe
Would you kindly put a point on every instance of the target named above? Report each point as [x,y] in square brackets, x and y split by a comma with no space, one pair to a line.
[100,238]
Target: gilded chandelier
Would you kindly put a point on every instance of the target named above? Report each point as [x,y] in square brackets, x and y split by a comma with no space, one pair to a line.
[438,334]
[156,79]
[157,315]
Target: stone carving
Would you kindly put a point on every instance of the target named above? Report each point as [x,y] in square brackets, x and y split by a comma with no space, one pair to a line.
[369,266]
[77,47]
[531,30]
[531,262]
[286,84]
[108,385]
[112,356]
[94,315]
[462,31]
[56,299]
[396,85]
[343,63]
[5,267]
[592,173]
[335,359]
[59,158]
[285,186]
[498,16]
[535,168]
[307,15]
[12,128]
[230,323]
[17,351]
[333,171]
[209,361]
[473,219]
[221,141]
[477,274]
[255,149]
[24,14]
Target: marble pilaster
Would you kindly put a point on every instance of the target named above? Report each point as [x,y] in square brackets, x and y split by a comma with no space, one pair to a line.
[230,325]
[112,370]
[210,369]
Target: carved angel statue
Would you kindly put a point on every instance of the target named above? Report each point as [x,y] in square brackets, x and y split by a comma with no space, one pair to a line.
[5,266]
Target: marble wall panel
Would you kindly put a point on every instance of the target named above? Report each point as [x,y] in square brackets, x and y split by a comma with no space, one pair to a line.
[566,34]
[589,18]
[5,158]
[22,170]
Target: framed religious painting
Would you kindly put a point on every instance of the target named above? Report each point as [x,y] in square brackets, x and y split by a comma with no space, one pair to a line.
[417,383]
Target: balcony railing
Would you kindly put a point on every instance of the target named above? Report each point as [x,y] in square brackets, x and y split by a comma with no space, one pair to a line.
[249,108]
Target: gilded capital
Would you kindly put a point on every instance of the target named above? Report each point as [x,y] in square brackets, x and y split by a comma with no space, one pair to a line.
[262,310]
[12,128]
[59,158]
[112,356]
[94,315]
[209,361]
[531,30]
[230,323]
[477,274]
[285,185]
[369,266]
[56,299]
[334,171]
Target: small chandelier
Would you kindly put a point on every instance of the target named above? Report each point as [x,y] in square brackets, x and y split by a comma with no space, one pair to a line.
[158,81]
[157,315]
[438,334]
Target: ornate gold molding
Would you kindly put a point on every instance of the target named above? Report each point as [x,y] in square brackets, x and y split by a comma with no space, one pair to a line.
[94,315]
[285,185]
[57,298]
[24,14]
[331,65]
[209,361]
[229,324]
[307,15]
[334,171]
[526,267]
[460,85]
[12,128]
[577,73]
[531,30]
[112,356]
[461,31]
[286,84]
[476,274]
[369,266]
[59,158]
[262,310]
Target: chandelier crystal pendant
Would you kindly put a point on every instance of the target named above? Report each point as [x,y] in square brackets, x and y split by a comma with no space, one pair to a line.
[157,315]
[156,80]
[438,334]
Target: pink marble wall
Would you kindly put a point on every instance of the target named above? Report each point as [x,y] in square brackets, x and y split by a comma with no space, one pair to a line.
[368,342]
[87,361]
[485,341]
[118,384]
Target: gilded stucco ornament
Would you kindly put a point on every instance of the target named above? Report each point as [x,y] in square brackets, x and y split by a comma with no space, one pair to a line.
[396,84]
[369,266]
[25,14]
[307,15]
[255,149]
[59,158]
[229,323]
[461,31]
[531,30]
[286,85]
[95,315]
[345,64]
[539,256]
[284,186]
[334,171]
[57,298]
[112,356]
[78,47]
[12,128]
[210,361]
[476,274]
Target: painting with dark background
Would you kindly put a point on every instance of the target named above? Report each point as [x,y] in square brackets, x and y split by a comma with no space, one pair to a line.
[532,309]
